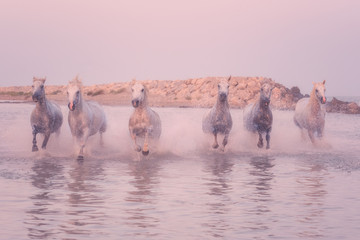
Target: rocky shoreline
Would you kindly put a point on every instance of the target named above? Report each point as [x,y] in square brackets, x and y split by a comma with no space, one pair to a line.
[196,92]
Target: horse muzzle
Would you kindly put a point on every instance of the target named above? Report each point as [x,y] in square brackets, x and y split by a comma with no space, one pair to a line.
[266,102]
[135,103]
[35,98]
[222,96]
[71,106]
[323,100]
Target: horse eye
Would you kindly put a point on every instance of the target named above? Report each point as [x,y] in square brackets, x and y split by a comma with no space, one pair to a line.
[316,90]
[142,90]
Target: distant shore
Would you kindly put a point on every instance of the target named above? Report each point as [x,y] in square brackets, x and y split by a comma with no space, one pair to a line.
[196,92]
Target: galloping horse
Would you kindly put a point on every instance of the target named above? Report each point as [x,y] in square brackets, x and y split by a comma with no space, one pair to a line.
[258,116]
[144,122]
[218,119]
[85,118]
[46,118]
[310,112]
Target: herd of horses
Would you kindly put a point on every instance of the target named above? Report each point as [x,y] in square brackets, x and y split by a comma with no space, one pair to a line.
[86,118]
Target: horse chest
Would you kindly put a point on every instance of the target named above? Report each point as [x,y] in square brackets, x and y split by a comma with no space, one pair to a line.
[263,120]
[140,122]
[41,120]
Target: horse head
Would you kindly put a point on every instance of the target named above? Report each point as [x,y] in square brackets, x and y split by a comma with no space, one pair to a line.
[319,89]
[138,92]
[265,94]
[74,93]
[223,90]
[38,89]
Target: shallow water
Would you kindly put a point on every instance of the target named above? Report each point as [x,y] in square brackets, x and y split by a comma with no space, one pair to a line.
[184,190]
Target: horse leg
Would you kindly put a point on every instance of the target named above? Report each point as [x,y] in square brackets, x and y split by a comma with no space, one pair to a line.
[34,147]
[46,139]
[311,136]
[83,141]
[215,144]
[225,141]
[145,149]
[260,142]
[137,148]
[267,139]
[320,132]
[101,140]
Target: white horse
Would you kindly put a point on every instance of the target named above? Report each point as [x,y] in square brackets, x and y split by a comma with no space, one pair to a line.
[258,116]
[218,120]
[310,112]
[144,122]
[46,118]
[85,118]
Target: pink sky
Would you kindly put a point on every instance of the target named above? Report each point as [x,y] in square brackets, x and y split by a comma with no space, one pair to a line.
[294,42]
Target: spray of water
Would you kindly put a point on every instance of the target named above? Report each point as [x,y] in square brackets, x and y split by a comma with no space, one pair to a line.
[181,135]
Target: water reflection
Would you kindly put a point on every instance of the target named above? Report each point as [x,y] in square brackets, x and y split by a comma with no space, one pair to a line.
[311,193]
[218,168]
[86,201]
[41,219]
[260,193]
[141,200]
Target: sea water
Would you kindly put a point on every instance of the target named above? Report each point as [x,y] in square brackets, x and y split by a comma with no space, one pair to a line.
[183,189]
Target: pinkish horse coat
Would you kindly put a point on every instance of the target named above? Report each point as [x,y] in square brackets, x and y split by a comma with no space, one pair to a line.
[144,123]
[86,118]
[46,118]
[310,112]
[218,120]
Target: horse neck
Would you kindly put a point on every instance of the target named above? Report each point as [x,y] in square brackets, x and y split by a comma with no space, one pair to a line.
[314,103]
[81,104]
[142,108]
[222,105]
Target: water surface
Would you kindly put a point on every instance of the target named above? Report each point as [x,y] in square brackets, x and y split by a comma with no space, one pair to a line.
[184,190]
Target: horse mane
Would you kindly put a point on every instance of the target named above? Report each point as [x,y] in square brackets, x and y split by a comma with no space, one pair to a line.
[39,79]
[76,82]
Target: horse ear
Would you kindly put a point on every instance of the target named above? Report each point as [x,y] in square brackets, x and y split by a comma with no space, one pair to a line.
[43,80]
[324,82]
[133,81]
[229,78]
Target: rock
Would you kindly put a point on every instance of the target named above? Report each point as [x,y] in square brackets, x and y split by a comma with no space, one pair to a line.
[339,106]
[195,92]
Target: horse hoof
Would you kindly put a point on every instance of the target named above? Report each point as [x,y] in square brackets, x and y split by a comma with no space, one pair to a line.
[137,149]
[267,147]
[80,158]
[145,153]
[215,146]
[260,145]
[35,149]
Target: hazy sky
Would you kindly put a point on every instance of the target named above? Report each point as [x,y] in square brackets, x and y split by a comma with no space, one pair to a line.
[294,42]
